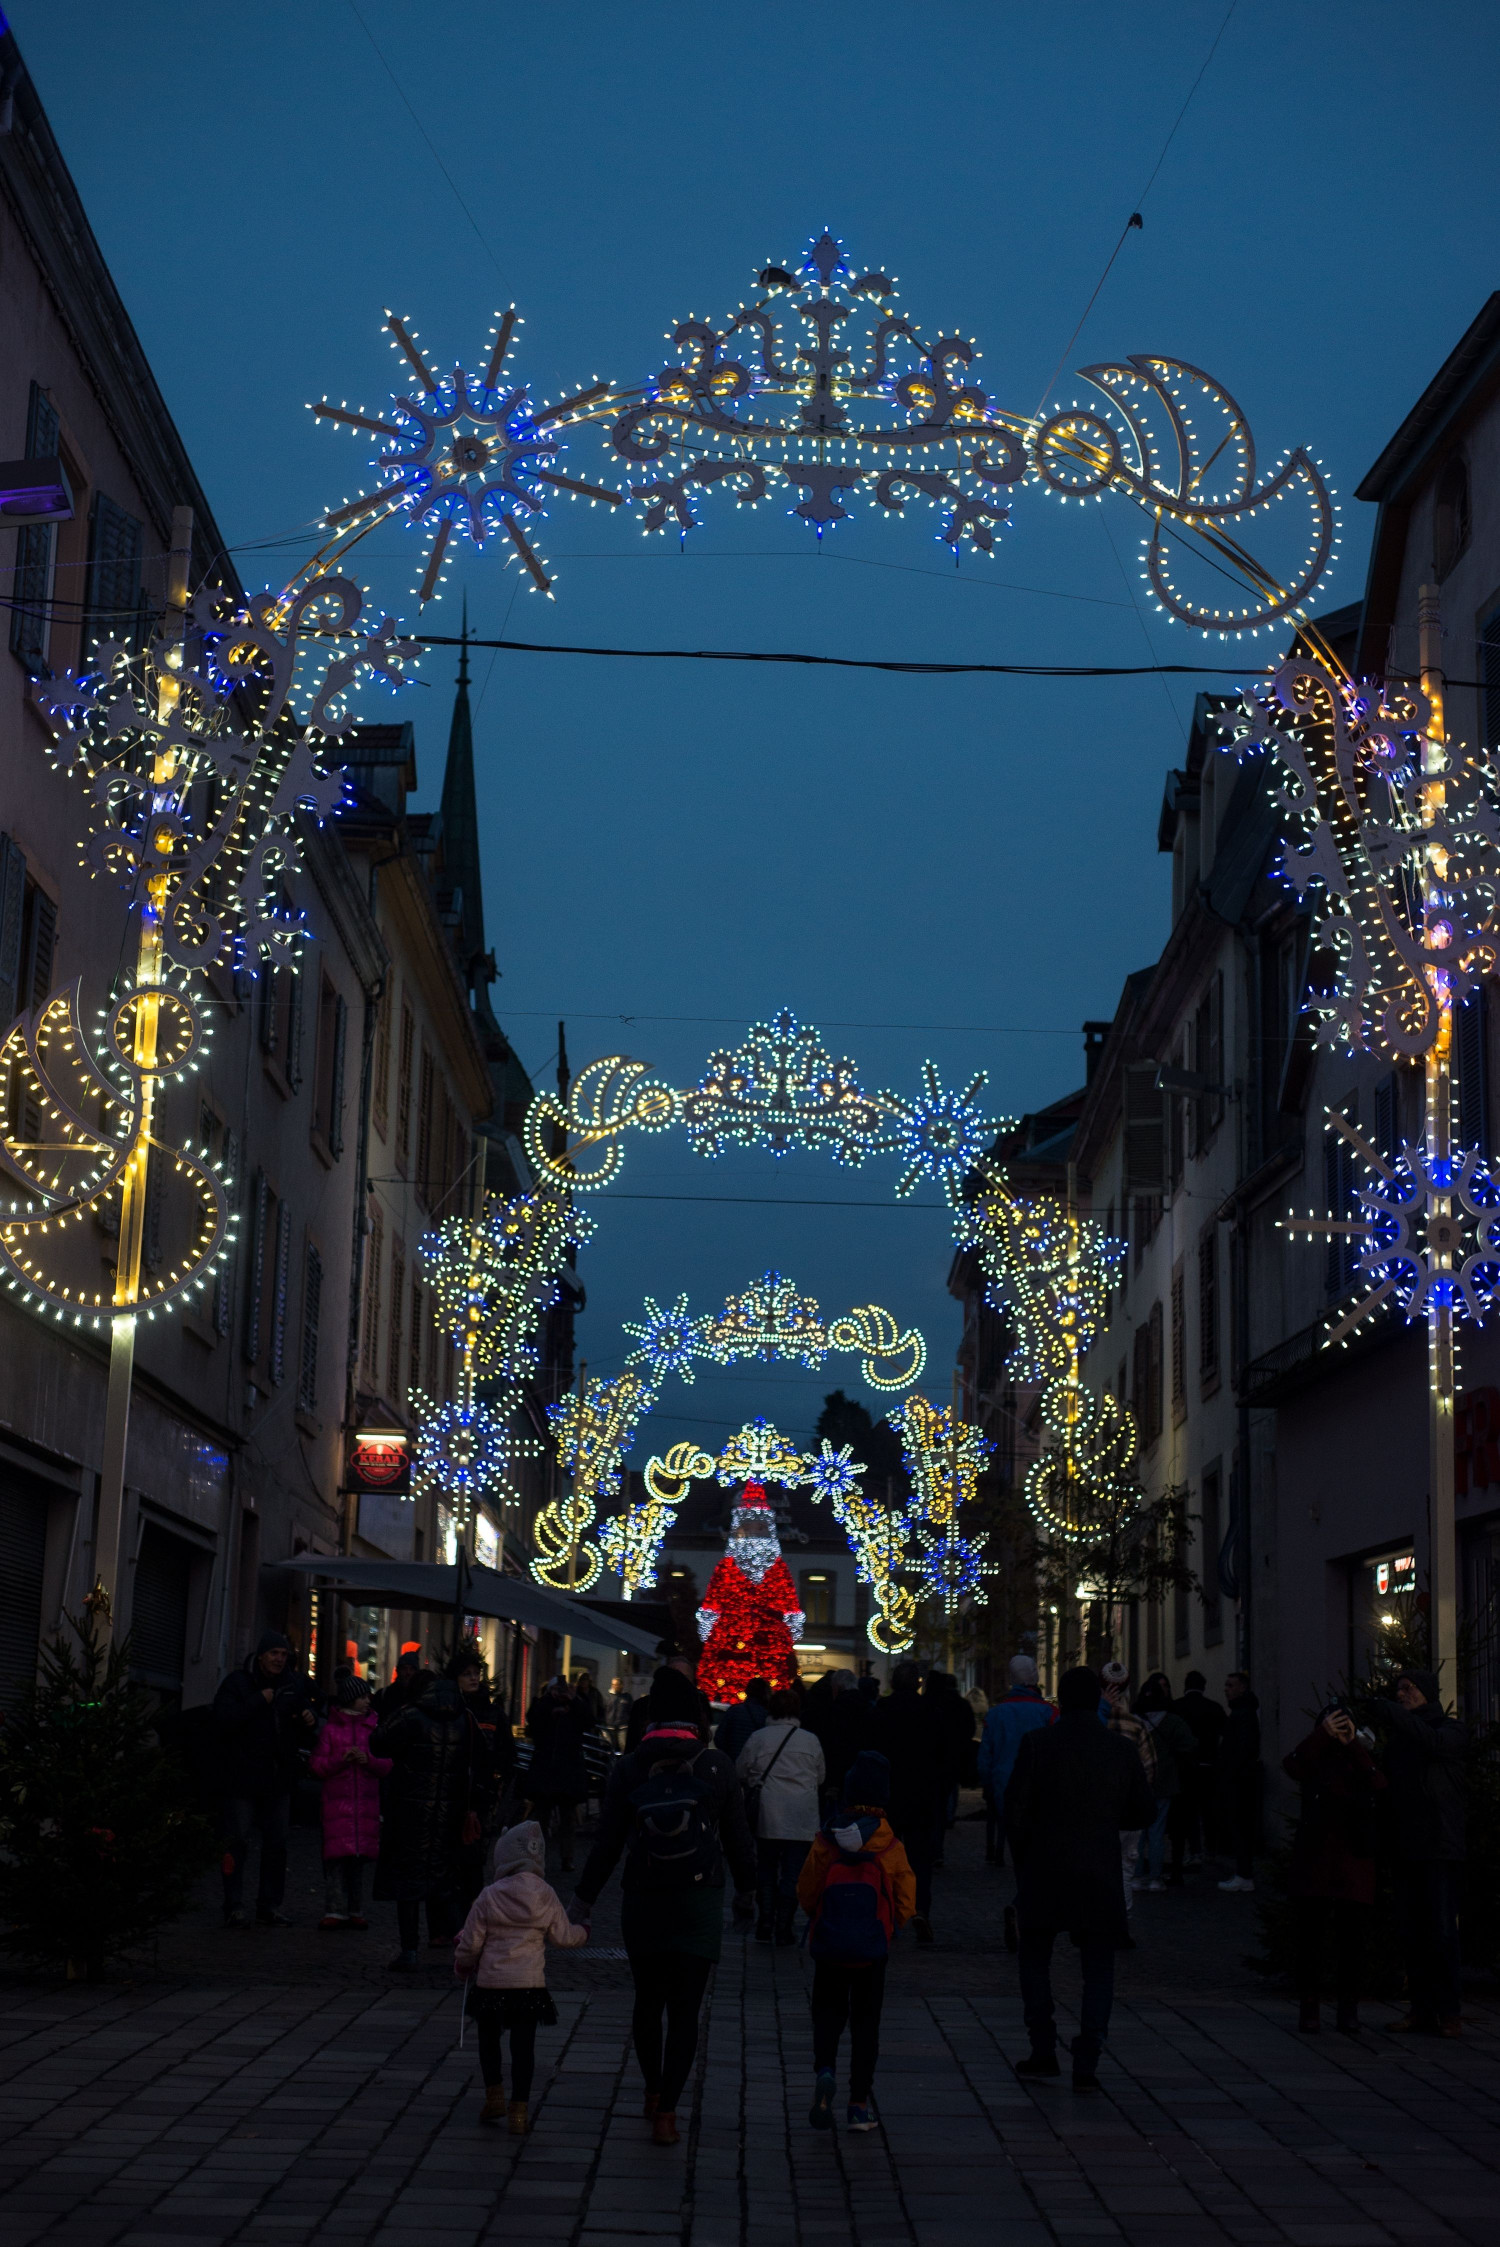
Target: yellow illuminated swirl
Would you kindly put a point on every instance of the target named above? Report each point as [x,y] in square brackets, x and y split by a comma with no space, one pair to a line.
[669,1479]
[558,1533]
[577,1143]
[1082,1477]
[893,1360]
[895,1627]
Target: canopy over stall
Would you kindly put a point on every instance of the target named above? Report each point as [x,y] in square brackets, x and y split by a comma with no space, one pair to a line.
[428,1584]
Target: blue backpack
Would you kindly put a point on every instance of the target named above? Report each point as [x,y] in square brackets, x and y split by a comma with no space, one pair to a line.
[856,1914]
[676,1825]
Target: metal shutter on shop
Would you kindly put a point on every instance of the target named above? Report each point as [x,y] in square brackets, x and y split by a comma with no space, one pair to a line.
[158,1621]
[23,1551]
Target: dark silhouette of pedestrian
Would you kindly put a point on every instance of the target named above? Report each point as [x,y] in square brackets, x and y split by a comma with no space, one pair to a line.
[1331,1875]
[1424,1768]
[429,1798]
[557,1779]
[264,1714]
[1075,1789]
[921,1750]
[1190,1819]
[1239,1768]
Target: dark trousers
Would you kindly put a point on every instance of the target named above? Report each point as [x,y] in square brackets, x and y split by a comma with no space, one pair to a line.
[522,2055]
[1429,1939]
[1185,1823]
[854,1994]
[668,1984]
[1244,1820]
[343,1884]
[1321,1923]
[242,1815]
[994,1828]
[440,1928]
[566,1806]
[1035,1962]
[777,1864]
[921,1835]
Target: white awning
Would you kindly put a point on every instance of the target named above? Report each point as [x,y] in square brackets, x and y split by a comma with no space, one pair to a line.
[430,1584]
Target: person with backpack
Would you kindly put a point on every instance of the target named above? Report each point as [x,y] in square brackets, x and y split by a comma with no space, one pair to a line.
[673,1809]
[857,1888]
[781,1770]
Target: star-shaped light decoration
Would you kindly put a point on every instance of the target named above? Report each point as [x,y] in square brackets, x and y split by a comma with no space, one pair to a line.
[468,452]
[668,1341]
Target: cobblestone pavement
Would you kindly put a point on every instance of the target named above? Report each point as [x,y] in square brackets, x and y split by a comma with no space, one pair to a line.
[204,2103]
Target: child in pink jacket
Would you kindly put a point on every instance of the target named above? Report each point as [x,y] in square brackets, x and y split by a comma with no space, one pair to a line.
[504,1946]
[351,1779]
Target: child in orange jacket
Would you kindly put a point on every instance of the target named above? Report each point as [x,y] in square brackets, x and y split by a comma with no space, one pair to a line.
[857,1889]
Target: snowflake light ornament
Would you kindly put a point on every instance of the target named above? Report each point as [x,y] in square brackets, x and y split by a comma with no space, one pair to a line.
[466,452]
[668,1341]
[951,1569]
[941,1136]
[1428,1238]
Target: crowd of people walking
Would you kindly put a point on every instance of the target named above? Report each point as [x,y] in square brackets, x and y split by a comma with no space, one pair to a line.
[835,1801]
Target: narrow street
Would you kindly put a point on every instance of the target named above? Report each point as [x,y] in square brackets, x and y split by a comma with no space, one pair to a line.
[210,2103]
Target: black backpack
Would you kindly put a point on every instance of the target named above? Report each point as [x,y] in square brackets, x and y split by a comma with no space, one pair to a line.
[676,1830]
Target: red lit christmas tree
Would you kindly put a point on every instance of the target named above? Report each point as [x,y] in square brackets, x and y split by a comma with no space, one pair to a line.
[749,1621]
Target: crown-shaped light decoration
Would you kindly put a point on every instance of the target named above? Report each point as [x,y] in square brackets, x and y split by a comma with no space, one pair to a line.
[468,452]
[769,1320]
[1362,825]
[758,1452]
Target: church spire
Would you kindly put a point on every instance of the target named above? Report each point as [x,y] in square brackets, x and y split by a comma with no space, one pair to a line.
[458,820]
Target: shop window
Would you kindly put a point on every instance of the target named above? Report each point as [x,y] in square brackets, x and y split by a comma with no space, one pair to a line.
[817,1593]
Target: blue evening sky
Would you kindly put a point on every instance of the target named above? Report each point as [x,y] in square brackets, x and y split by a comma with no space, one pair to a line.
[964,869]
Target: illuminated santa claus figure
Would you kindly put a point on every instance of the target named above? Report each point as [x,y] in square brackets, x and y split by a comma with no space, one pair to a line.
[749,1621]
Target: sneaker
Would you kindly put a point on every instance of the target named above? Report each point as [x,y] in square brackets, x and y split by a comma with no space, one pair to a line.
[1140,1886]
[266,1917]
[1084,2078]
[236,1916]
[358,1919]
[1156,1888]
[820,2114]
[332,1921]
[857,2117]
[1236,1885]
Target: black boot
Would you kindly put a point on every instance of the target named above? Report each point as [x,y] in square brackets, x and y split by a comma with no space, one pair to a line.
[1085,2064]
[1348,2016]
[786,1934]
[1040,2061]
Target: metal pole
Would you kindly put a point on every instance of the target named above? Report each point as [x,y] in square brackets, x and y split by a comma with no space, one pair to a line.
[567,1653]
[1442,1552]
[108,1598]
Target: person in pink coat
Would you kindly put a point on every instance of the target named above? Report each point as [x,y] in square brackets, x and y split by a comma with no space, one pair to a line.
[351,1779]
[504,1948]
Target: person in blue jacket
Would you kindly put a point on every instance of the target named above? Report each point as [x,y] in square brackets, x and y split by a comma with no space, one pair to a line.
[1016,1713]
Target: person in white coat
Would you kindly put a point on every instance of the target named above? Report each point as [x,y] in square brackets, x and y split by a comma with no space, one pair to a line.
[781,1766]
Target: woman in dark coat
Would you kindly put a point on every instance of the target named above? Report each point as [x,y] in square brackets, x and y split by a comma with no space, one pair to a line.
[1331,1879]
[672,1900]
[493,1756]
[557,1724]
[428,1798]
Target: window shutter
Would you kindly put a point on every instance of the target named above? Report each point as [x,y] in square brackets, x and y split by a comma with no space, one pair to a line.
[278,1307]
[256,1268]
[12,924]
[1179,1337]
[30,617]
[268,982]
[1208,1302]
[1157,1368]
[1469,1043]
[374,1251]
[294,1023]
[112,595]
[336,1095]
[395,1369]
[225,1280]
[1214,1065]
[312,1305]
[427,1084]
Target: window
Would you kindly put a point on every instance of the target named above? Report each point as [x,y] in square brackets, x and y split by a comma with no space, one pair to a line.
[280,1010]
[28,927]
[276,1357]
[1208,1062]
[1341,1266]
[36,551]
[112,585]
[395,1363]
[380,1075]
[1450,514]
[1208,1304]
[312,1307]
[1211,1529]
[1179,1342]
[374,1251]
[328,1090]
[266,1279]
[816,1592]
[403,1093]
[425,1098]
[1146,1375]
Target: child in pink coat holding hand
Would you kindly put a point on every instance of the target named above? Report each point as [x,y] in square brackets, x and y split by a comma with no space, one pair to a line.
[351,1779]
[504,1946]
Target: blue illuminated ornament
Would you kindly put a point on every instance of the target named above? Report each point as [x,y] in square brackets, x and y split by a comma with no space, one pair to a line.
[669,1340]
[942,1136]
[467,452]
[951,1569]
[834,1475]
[463,1451]
[769,1320]
[782,1089]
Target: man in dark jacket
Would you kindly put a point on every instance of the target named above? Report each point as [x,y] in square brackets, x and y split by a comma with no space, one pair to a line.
[922,1751]
[1424,1768]
[438,1776]
[557,1724]
[1239,1777]
[739,1724]
[1075,1789]
[672,1889]
[262,1714]
[640,1712]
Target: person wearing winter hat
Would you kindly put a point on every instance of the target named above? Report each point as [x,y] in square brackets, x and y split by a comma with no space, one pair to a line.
[351,1778]
[858,1890]
[673,1809]
[502,1953]
[263,1715]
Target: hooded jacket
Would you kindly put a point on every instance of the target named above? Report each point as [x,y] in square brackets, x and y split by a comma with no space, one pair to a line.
[259,1739]
[851,1830]
[1006,1725]
[351,1791]
[505,1937]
